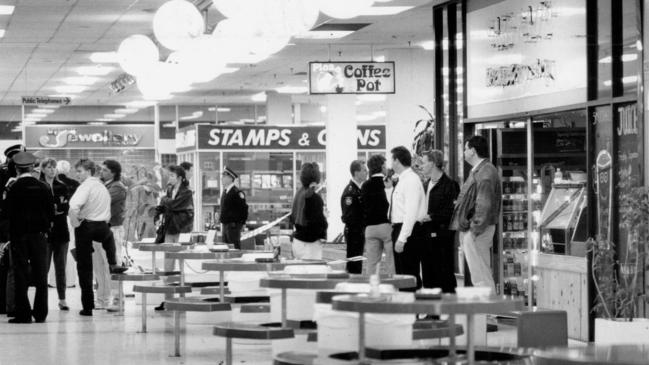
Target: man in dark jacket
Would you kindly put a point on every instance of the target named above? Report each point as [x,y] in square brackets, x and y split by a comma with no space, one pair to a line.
[477,211]
[350,204]
[438,269]
[378,230]
[30,207]
[234,210]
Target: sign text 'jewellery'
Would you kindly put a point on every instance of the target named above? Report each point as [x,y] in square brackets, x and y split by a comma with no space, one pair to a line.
[46,100]
[211,137]
[351,77]
[88,136]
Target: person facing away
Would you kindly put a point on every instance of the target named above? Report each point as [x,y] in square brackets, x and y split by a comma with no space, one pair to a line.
[407,212]
[59,238]
[375,206]
[307,215]
[30,208]
[234,209]
[352,215]
[438,270]
[89,215]
[477,211]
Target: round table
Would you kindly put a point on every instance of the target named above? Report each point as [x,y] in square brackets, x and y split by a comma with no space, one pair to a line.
[594,355]
[159,247]
[239,265]
[181,256]
[326,282]
[449,304]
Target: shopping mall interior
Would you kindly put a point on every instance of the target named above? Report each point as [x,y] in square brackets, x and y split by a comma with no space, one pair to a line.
[260,91]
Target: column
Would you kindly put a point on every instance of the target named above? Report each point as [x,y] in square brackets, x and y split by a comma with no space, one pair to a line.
[341,150]
[414,73]
[278,108]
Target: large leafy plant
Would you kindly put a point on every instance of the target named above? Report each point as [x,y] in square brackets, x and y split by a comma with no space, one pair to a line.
[618,276]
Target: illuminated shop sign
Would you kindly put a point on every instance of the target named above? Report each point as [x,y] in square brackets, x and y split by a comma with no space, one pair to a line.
[211,137]
[67,136]
[351,77]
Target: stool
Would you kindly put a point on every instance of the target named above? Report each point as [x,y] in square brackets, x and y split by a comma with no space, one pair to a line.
[231,330]
[157,289]
[294,358]
[121,278]
[178,305]
[214,290]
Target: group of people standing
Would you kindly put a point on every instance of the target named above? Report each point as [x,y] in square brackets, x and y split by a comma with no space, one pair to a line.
[411,219]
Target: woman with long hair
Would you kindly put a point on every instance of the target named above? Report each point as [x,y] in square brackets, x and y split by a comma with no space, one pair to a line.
[308,216]
[59,238]
[176,210]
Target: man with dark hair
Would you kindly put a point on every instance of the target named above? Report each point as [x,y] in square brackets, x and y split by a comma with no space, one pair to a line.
[407,211]
[234,209]
[89,213]
[437,261]
[352,215]
[111,174]
[477,211]
[187,166]
[30,208]
[378,231]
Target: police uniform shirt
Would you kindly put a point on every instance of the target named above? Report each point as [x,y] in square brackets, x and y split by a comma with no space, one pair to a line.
[351,207]
[233,206]
[30,206]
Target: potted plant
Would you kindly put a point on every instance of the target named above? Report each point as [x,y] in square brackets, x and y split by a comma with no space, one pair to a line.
[423,141]
[618,276]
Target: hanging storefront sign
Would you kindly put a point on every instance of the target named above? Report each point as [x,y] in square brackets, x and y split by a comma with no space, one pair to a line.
[525,55]
[46,100]
[89,137]
[215,137]
[351,78]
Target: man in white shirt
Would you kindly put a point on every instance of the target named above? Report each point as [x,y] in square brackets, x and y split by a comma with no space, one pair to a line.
[408,210]
[89,213]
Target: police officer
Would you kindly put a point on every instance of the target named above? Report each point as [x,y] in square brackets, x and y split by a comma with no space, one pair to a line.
[350,203]
[234,210]
[7,177]
[30,208]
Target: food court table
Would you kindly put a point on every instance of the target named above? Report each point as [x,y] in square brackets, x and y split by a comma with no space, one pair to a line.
[239,265]
[325,282]
[448,304]
[594,355]
[159,247]
[181,256]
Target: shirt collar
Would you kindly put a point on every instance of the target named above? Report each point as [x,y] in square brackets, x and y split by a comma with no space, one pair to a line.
[108,182]
[357,184]
[378,175]
[478,164]
[227,188]
[26,174]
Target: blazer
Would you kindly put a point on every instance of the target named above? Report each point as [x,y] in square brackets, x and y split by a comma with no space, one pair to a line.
[441,202]
[374,202]
[234,208]
[178,212]
[478,205]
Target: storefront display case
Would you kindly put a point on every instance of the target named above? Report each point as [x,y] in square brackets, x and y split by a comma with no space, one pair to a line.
[268,160]
[563,211]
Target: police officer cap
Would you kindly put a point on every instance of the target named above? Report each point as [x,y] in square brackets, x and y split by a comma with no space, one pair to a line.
[9,152]
[24,159]
[228,171]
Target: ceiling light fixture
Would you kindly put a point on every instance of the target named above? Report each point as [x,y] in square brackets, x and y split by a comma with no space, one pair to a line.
[320,34]
[104,57]
[80,80]
[104,119]
[7,9]
[2,33]
[94,70]
[49,106]
[97,123]
[42,111]
[223,110]
[259,97]
[427,45]
[126,111]
[70,89]
[140,104]
[385,10]
[371,98]
[114,116]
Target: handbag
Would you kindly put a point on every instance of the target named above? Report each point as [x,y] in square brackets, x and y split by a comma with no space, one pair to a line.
[160,230]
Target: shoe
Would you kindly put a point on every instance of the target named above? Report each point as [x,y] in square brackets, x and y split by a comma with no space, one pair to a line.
[63,305]
[86,312]
[39,320]
[114,306]
[161,307]
[117,269]
[20,320]
[99,305]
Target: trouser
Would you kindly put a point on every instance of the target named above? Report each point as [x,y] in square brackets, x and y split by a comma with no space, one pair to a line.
[378,241]
[232,234]
[477,252]
[30,250]
[354,238]
[101,273]
[58,252]
[438,262]
[118,236]
[84,235]
[408,262]
[307,250]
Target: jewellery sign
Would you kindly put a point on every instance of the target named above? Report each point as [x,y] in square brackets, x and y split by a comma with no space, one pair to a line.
[212,137]
[351,77]
[88,136]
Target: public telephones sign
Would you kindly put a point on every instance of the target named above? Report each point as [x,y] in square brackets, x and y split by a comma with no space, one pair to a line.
[351,78]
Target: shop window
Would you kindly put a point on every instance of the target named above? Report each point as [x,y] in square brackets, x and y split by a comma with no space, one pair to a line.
[631,56]
[604,50]
[168,159]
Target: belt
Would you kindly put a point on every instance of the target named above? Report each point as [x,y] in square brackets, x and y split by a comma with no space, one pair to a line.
[89,221]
